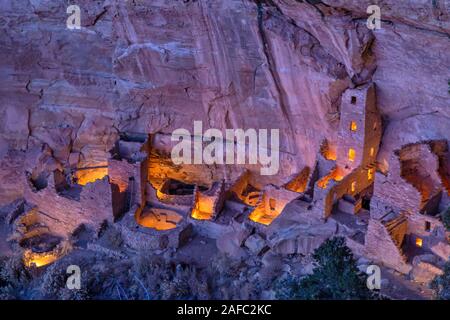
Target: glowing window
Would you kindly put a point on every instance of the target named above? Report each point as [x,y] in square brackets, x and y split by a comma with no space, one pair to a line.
[370,174]
[353,186]
[419,242]
[353,126]
[351,154]
[372,152]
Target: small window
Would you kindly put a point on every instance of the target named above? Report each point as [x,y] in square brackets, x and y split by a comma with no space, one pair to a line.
[419,242]
[353,100]
[375,126]
[370,174]
[372,151]
[272,203]
[353,126]
[353,186]
[427,226]
[351,154]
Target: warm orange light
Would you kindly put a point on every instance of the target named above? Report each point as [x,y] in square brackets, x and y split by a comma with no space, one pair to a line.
[419,242]
[328,151]
[38,259]
[351,154]
[299,183]
[372,152]
[159,219]
[260,217]
[199,215]
[353,126]
[370,174]
[268,209]
[91,175]
[336,175]
[330,154]
[203,209]
[353,186]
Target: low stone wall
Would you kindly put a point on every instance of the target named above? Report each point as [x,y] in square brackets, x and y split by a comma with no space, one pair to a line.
[141,238]
[63,215]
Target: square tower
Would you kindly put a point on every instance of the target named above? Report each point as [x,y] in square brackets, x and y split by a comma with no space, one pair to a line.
[359,129]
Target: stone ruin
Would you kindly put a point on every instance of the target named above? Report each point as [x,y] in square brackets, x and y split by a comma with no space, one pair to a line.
[388,215]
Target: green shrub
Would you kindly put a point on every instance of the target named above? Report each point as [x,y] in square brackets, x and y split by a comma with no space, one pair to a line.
[335,277]
[441,284]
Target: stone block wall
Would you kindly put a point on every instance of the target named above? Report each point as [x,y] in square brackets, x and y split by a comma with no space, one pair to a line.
[425,227]
[300,182]
[208,204]
[393,194]
[412,184]
[327,198]
[360,127]
[352,110]
[381,248]
[163,196]
[129,177]
[63,215]
[271,204]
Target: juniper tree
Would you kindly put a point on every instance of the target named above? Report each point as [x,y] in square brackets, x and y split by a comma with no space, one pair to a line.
[336,276]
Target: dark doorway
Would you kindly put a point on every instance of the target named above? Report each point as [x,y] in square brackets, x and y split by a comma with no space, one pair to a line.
[366,203]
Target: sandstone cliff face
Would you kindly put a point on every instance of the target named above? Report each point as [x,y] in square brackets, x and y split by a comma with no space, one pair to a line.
[157,65]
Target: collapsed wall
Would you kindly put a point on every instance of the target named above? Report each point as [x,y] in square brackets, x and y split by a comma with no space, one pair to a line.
[412,184]
[62,214]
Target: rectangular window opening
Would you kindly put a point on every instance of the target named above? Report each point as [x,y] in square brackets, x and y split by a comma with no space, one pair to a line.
[419,242]
[351,154]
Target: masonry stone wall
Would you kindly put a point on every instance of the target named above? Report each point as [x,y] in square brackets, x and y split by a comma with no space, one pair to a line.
[327,198]
[300,182]
[271,204]
[186,200]
[208,204]
[393,194]
[412,183]
[359,129]
[423,226]
[129,177]
[63,215]
[381,248]
[419,167]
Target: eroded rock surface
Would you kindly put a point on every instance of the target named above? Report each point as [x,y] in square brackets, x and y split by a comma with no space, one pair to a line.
[154,66]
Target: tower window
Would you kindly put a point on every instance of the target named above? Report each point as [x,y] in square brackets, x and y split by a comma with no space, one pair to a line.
[353,126]
[375,126]
[419,242]
[351,154]
[372,151]
[427,226]
[353,100]
[370,174]
[353,186]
